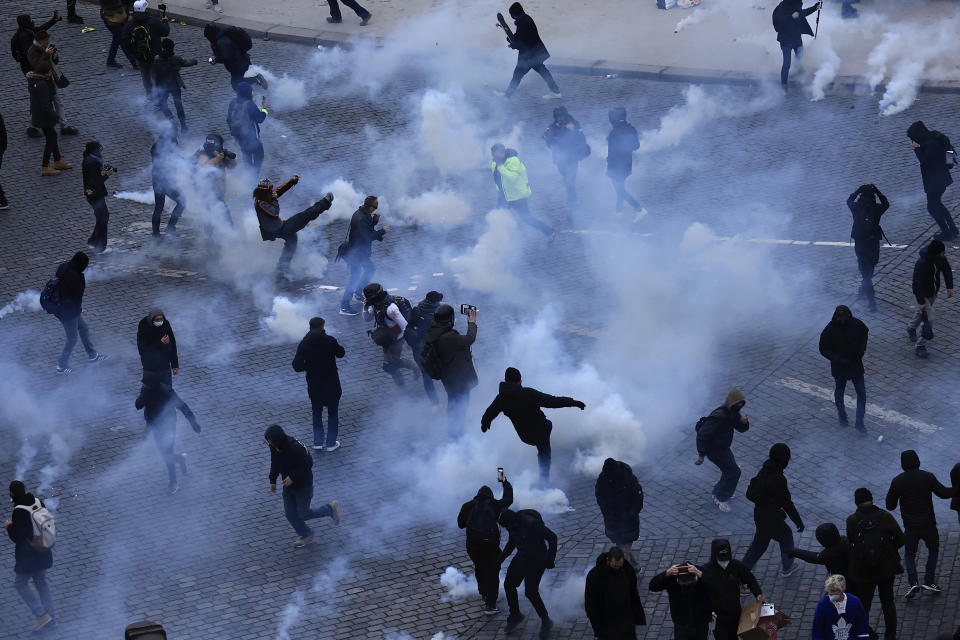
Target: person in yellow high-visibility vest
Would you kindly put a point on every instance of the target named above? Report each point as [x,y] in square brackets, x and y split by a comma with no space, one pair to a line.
[510,176]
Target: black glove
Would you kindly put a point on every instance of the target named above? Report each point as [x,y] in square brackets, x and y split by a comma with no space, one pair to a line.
[552,563]
[579,405]
[484,428]
[800,527]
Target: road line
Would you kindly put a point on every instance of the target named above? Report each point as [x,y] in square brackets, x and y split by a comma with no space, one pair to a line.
[819,243]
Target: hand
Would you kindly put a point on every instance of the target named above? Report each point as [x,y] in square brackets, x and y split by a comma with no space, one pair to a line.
[794,15]
[570,126]
[484,428]
[761,598]
[263,102]
[50,48]
[176,371]
[220,156]
[800,527]
[695,571]
[580,405]
[386,229]
[698,461]
[329,196]
[165,339]
[287,481]
[472,316]
[744,419]
[273,488]
[673,570]
[57,16]
[8,522]
[949,293]
[296,177]
[108,172]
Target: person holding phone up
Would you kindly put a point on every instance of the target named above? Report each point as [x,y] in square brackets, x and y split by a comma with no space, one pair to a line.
[479,517]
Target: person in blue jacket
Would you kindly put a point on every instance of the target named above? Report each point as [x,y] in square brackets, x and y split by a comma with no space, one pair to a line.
[244,118]
[839,615]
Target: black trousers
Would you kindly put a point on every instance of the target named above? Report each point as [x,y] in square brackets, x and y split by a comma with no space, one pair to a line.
[691,631]
[98,239]
[867,265]
[726,625]
[288,232]
[529,573]
[865,590]
[160,195]
[521,70]
[940,213]
[486,567]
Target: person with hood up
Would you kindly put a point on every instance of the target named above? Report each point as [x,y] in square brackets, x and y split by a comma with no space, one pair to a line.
[568,145]
[931,149]
[522,405]
[689,600]
[168,83]
[955,481]
[835,555]
[115,14]
[867,204]
[158,346]
[24,37]
[30,563]
[230,46]
[95,174]
[536,547]
[165,165]
[510,176]
[213,161]
[140,40]
[357,251]
[843,342]
[458,375]
[160,403]
[43,115]
[72,285]
[292,463]
[479,517]
[611,597]
[772,504]
[266,202]
[317,355]
[931,264]
[390,319]
[244,118]
[620,498]
[875,539]
[714,439]
[724,576]
[913,490]
[622,141]
[790,23]
[416,335]
[531,52]
[839,615]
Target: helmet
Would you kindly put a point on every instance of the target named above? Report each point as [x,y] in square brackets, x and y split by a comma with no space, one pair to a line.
[374,292]
[444,314]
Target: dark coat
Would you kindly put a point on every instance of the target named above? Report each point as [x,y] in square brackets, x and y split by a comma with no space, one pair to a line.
[485,496]
[620,498]
[160,403]
[158,31]
[622,141]
[421,318]
[913,490]
[890,566]
[27,558]
[94,180]
[72,285]
[866,231]
[771,497]
[689,603]
[226,50]
[40,60]
[835,555]
[289,457]
[23,38]
[724,584]
[317,354]
[612,601]
[453,350]
[789,29]
[926,276]
[43,110]
[844,344]
[244,118]
[154,354]
[3,138]
[522,405]
[362,233]
[566,145]
[530,48]
[955,481]
[534,542]
[715,434]
[932,156]
[166,71]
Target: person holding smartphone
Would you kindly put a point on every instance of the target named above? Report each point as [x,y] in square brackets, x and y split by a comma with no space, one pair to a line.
[458,375]
[479,517]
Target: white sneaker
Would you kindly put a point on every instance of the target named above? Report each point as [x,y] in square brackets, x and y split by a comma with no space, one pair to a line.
[218,8]
[552,96]
[723,506]
[640,215]
[318,447]
[332,447]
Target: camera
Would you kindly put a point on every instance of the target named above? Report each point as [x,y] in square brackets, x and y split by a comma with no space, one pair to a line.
[229,155]
[109,167]
[465,309]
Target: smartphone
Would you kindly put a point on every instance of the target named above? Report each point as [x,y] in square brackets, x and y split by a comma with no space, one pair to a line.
[683,569]
[500,476]
[465,309]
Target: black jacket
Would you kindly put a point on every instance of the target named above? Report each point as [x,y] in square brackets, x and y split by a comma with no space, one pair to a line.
[228,51]
[715,434]
[159,402]
[453,350]
[72,285]
[317,354]
[94,180]
[913,490]
[530,48]
[362,233]
[771,497]
[3,138]
[789,29]
[166,71]
[926,276]
[154,354]
[485,496]
[689,603]
[27,558]
[844,344]
[289,457]
[522,405]
[932,156]
[612,601]
[622,141]
[534,542]
[620,498]
[835,555]
[158,31]
[43,110]
[23,38]
[866,231]
[421,318]
[566,145]
[724,584]
[890,566]
[955,482]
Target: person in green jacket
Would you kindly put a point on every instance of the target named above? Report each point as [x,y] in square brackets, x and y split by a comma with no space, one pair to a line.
[510,176]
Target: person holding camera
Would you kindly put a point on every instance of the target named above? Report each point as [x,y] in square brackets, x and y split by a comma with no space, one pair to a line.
[536,547]
[213,161]
[357,251]
[479,517]
[611,597]
[724,576]
[266,202]
[390,317]
[522,405]
[244,118]
[867,204]
[689,600]
[95,174]
[44,58]
[458,374]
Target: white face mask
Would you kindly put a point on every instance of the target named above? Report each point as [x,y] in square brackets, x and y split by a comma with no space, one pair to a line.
[723,563]
[158,323]
[835,597]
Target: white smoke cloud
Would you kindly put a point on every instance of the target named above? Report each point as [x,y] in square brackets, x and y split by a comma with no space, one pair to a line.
[432,207]
[458,585]
[289,319]
[141,197]
[322,591]
[285,93]
[28,300]
[489,265]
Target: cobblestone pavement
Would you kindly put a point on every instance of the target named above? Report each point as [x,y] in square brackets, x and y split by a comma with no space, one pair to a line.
[215,560]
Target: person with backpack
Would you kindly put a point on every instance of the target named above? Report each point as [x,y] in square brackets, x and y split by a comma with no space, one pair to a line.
[839,615]
[835,555]
[622,141]
[416,335]
[479,517]
[390,315]
[244,118]
[168,83]
[568,145]
[724,576]
[510,176]
[843,342]
[790,23]
[31,559]
[714,439]
[165,166]
[913,490]
[266,202]
[357,251]
[141,38]
[115,14]
[523,406]
[931,264]
[620,498]
[230,47]
[934,151]
[867,204]
[772,504]
[317,355]
[213,161]
[531,53]
[875,539]
[536,548]
[95,174]
[292,463]
[689,600]
[448,353]
[611,599]
[159,403]
[67,307]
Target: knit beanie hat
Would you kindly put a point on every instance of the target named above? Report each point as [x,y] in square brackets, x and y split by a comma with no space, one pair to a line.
[434,296]
[862,495]
[780,453]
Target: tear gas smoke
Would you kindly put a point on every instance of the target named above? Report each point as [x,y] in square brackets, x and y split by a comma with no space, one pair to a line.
[433,207]
[290,319]
[564,596]
[459,586]
[489,265]
[143,197]
[322,592]
[699,15]
[827,70]
[285,93]
[28,300]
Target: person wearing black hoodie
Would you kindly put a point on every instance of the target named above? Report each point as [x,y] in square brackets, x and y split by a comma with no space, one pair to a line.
[522,405]
[30,563]
[714,439]
[913,490]
[292,463]
[158,346]
[724,576]
[72,284]
[416,335]
[159,403]
[790,23]
[875,539]
[95,189]
[140,40]
[835,555]
[568,145]
[21,41]
[458,375]
[531,52]
[479,517]
[772,504]
[843,342]
[266,202]
[867,205]
[611,598]
[317,355]
[230,46]
[244,118]
[165,165]
[536,547]
[168,83]
[930,265]
[43,116]
[689,600]
[115,14]
[931,149]
[620,498]
[622,141]
[955,482]
[4,205]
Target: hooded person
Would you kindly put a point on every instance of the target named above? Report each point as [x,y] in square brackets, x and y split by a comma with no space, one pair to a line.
[835,555]
[95,174]
[115,14]
[479,517]
[168,83]
[790,23]
[159,403]
[723,575]
[536,547]
[44,116]
[30,563]
[266,202]
[158,346]
[867,205]
[317,355]
[416,335]
[611,597]
[522,405]
[531,52]
[955,481]
[931,148]
[564,137]
[244,118]
[213,161]
[622,141]
[620,498]
[913,491]
[513,188]
[452,351]
[24,37]
[772,504]
[230,46]
[390,315]
[72,284]
[689,600]
[931,264]
[166,164]
[843,342]
[141,40]
[714,441]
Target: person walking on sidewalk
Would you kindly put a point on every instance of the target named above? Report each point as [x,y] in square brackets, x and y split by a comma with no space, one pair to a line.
[714,441]
[622,141]
[913,490]
[317,355]
[157,346]
[867,204]
[510,176]
[357,252]
[926,284]
[931,149]
[531,52]
[72,284]
[772,504]
[160,403]
[564,137]
[30,563]
[843,342]
[790,23]
[336,18]
[95,174]
[536,547]
[292,463]
[725,577]
[479,517]
[166,164]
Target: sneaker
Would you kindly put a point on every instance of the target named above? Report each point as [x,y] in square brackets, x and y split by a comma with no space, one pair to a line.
[513,621]
[552,96]
[69,131]
[545,627]
[261,81]
[97,357]
[318,447]
[932,587]
[334,20]
[4,206]
[62,165]
[366,20]
[335,507]
[113,64]
[173,488]
[912,592]
[332,447]
[640,215]
[43,621]
[64,370]
[912,334]
[921,351]
[723,506]
[786,573]
[48,171]
[490,610]
[348,311]
[300,543]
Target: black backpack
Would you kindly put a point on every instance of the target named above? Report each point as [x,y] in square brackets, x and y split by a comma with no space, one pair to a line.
[406,309]
[950,154]
[870,546]
[50,296]
[482,523]
[240,37]
[430,360]
[757,490]
[141,43]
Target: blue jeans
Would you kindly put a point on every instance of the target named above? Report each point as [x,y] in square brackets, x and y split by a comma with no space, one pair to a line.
[361,271]
[931,538]
[729,474]
[296,506]
[761,540]
[521,213]
[101,215]
[841,385]
[115,37]
[332,419]
[160,195]
[45,603]
[72,327]
[785,69]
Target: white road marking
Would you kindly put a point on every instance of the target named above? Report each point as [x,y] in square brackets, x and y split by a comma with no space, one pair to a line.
[887,415]
[819,243]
